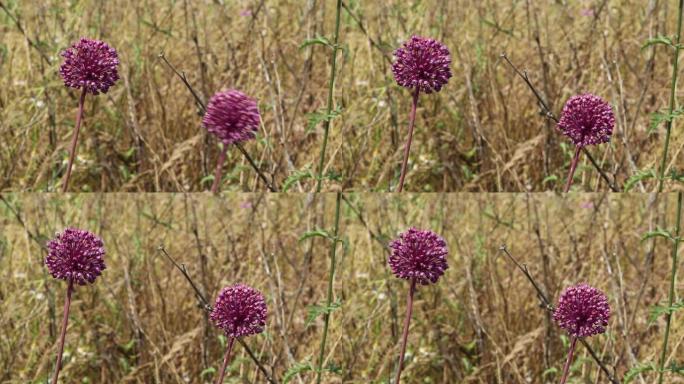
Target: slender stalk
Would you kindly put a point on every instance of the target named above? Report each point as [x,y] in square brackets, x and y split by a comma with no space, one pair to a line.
[331,87]
[218,174]
[566,368]
[74,140]
[225,361]
[673,279]
[203,110]
[407,148]
[673,90]
[331,277]
[573,166]
[62,336]
[407,321]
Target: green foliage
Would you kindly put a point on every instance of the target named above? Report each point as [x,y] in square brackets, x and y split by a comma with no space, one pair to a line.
[320,116]
[635,371]
[318,40]
[660,310]
[318,310]
[296,370]
[659,232]
[637,177]
[658,118]
[660,39]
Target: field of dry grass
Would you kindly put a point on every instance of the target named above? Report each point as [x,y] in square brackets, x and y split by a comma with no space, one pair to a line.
[481,323]
[483,132]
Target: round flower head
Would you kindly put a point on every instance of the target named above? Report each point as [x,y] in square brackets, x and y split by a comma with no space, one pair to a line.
[75,255]
[587,119]
[422,63]
[582,310]
[419,255]
[232,116]
[239,310]
[90,64]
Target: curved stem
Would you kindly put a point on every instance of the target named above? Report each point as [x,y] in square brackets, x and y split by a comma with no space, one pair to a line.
[407,320]
[331,87]
[222,374]
[331,278]
[219,168]
[566,368]
[74,141]
[407,148]
[573,166]
[673,91]
[251,162]
[673,280]
[62,336]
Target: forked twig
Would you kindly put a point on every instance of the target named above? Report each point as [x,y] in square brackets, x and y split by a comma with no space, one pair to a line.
[548,114]
[204,303]
[546,304]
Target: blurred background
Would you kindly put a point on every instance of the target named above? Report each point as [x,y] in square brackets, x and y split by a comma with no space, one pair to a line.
[482,132]
[481,323]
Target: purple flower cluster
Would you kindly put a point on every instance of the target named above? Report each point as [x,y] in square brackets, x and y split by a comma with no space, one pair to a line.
[582,311]
[232,116]
[239,310]
[420,255]
[422,63]
[587,120]
[75,255]
[90,64]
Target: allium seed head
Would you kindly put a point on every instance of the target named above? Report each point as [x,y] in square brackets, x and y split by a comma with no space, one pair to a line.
[75,255]
[419,254]
[422,63]
[587,120]
[239,310]
[90,64]
[582,311]
[232,116]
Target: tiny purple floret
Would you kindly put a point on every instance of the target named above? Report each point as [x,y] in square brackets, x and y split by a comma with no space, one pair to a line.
[239,310]
[422,63]
[90,64]
[419,254]
[75,255]
[587,120]
[582,311]
[232,116]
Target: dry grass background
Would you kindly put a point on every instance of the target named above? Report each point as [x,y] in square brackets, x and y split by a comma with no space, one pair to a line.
[483,132]
[480,324]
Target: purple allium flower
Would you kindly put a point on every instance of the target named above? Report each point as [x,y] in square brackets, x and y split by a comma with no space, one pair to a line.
[419,254]
[422,63]
[239,310]
[587,120]
[90,64]
[232,116]
[75,255]
[582,310]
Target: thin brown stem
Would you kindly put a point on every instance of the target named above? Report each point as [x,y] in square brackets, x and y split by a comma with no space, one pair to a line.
[74,141]
[218,174]
[407,321]
[226,358]
[573,166]
[407,148]
[566,368]
[62,336]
